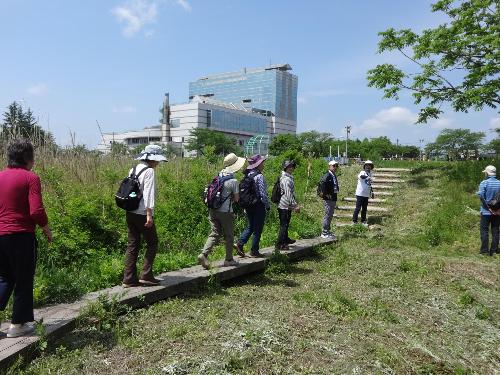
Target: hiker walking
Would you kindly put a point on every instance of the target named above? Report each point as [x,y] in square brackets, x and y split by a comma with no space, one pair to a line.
[140,221]
[255,201]
[21,210]
[220,214]
[364,191]
[488,189]
[328,189]
[287,204]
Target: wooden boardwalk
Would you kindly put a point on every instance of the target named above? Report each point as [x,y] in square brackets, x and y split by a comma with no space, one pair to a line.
[58,320]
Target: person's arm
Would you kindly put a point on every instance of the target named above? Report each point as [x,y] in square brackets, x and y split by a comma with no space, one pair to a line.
[262,190]
[148,195]
[236,191]
[37,211]
[288,189]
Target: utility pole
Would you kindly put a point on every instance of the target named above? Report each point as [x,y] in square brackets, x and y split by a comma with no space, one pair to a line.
[421,141]
[348,131]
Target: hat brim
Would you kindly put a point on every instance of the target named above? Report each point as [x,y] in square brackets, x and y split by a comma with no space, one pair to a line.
[490,173]
[152,157]
[236,166]
[256,164]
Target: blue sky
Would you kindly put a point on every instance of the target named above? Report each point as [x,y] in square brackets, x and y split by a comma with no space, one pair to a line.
[75,62]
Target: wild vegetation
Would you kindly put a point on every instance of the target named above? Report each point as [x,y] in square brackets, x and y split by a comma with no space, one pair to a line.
[412,297]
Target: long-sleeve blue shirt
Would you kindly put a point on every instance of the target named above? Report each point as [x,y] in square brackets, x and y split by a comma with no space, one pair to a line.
[487,190]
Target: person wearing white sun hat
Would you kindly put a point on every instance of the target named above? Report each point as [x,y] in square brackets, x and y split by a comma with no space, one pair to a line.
[222,218]
[140,222]
[488,190]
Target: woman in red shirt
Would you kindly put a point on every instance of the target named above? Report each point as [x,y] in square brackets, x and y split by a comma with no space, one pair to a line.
[21,210]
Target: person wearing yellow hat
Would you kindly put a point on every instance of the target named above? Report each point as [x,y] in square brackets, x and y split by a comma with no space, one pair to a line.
[222,218]
[488,191]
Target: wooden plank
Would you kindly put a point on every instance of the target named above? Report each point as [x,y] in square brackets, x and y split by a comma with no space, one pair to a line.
[60,319]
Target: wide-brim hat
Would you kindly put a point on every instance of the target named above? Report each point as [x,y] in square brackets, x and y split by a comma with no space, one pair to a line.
[255,161]
[490,170]
[152,152]
[288,163]
[233,163]
[368,162]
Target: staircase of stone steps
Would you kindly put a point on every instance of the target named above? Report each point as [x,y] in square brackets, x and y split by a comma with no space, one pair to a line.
[384,179]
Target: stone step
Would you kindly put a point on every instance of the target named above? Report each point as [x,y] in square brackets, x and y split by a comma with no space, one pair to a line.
[376,200]
[383,193]
[393,170]
[371,215]
[388,181]
[387,175]
[370,208]
[382,187]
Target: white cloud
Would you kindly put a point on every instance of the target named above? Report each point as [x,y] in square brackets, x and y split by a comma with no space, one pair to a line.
[149,33]
[135,14]
[388,118]
[442,123]
[125,109]
[495,123]
[38,89]
[184,4]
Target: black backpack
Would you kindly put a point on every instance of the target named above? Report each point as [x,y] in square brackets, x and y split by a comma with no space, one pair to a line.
[494,203]
[277,193]
[248,191]
[320,190]
[212,195]
[129,193]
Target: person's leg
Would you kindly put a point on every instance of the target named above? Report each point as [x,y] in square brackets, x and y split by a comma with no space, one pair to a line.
[250,228]
[24,245]
[484,229]
[227,223]
[288,218]
[364,208]
[6,277]
[328,215]
[151,238]
[282,235]
[134,244]
[359,201]
[259,219]
[495,221]
[214,236]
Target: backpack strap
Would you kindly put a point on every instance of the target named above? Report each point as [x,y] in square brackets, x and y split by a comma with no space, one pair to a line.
[140,172]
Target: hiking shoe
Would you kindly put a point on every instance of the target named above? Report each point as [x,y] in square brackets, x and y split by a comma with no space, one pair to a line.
[239,249]
[364,223]
[290,241]
[282,247]
[203,261]
[256,254]
[16,330]
[231,263]
[149,282]
[130,285]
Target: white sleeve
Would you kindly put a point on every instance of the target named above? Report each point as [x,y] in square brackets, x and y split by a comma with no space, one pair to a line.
[148,193]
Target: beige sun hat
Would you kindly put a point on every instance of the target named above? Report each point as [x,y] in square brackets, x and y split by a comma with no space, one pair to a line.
[233,163]
[490,170]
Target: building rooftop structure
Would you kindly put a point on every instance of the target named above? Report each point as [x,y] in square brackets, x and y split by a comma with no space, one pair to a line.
[281,67]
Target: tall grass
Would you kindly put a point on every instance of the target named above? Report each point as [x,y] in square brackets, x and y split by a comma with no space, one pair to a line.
[90,232]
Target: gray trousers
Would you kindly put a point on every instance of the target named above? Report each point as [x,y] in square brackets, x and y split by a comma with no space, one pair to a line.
[222,226]
[327,217]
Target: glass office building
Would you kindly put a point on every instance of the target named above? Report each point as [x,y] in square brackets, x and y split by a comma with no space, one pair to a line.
[272,89]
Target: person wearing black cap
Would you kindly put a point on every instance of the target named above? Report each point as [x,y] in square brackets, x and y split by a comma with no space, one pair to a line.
[287,204]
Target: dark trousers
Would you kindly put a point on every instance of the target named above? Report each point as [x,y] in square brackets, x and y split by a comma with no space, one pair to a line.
[488,221]
[136,230]
[256,216]
[285,216]
[361,204]
[17,273]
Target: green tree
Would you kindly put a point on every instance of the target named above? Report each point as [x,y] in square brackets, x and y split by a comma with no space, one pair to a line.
[452,143]
[201,137]
[284,142]
[315,143]
[118,148]
[18,123]
[457,62]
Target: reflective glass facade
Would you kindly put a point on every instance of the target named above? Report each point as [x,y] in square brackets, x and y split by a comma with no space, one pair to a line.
[267,89]
[226,120]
